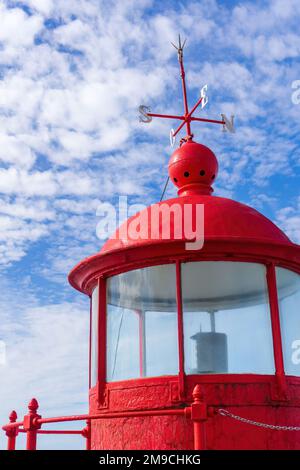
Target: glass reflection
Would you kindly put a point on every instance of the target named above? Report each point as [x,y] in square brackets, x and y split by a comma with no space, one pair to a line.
[142,324]
[227,327]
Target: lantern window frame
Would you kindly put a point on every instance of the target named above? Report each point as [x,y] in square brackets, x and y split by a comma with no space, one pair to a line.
[272,293]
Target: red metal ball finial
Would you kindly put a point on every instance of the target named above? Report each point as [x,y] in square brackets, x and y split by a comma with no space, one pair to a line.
[193,168]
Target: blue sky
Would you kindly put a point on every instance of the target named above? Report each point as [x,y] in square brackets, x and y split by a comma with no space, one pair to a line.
[72,74]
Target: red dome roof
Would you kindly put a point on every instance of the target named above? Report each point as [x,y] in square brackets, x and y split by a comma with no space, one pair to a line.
[193,168]
[224,219]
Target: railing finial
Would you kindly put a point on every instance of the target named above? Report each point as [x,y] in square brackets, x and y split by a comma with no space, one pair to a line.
[13,416]
[33,406]
[197,394]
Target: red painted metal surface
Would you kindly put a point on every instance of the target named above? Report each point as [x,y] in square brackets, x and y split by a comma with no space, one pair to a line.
[101,340]
[181,373]
[199,416]
[90,343]
[193,168]
[246,395]
[12,432]
[86,433]
[31,425]
[224,220]
[33,421]
[273,298]
[162,424]
[229,228]
[287,255]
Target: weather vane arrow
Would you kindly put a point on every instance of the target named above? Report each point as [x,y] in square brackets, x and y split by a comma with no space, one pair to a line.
[146,115]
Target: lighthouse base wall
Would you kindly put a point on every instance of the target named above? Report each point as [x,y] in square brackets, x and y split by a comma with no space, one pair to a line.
[257,398]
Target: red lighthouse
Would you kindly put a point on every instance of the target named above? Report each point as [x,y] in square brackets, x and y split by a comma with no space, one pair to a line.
[194,343]
[201,345]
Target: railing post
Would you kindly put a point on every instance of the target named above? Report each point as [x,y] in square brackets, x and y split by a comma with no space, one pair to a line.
[86,432]
[199,416]
[30,424]
[12,432]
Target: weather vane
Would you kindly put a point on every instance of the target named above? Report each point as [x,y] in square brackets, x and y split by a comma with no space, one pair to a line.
[188,116]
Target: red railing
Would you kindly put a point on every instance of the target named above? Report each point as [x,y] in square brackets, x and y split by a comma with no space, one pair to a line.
[32,422]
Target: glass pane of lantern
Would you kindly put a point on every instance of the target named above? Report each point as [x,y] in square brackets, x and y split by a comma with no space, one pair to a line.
[94,337]
[288,286]
[227,326]
[142,323]
[122,343]
[161,344]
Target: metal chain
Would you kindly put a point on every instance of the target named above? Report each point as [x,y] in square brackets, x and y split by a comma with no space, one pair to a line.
[257,423]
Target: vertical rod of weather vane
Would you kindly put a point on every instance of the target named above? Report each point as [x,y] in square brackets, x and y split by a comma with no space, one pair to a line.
[12,433]
[30,424]
[182,74]
[199,416]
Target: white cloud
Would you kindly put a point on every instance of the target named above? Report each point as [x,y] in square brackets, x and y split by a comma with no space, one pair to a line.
[288,218]
[14,181]
[22,222]
[13,150]
[84,206]
[15,236]
[45,183]
[17,28]
[27,209]
[44,7]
